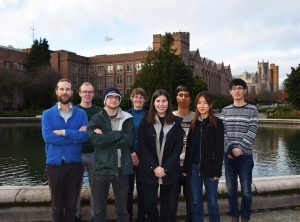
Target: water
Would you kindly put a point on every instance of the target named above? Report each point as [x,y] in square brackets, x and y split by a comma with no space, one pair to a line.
[22,157]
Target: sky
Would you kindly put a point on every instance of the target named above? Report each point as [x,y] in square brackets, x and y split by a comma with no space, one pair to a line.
[237,32]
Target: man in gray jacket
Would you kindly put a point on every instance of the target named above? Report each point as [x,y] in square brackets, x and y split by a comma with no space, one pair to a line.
[111,131]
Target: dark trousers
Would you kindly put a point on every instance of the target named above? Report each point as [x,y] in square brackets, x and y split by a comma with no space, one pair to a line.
[100,191]
[64,182]
[151,201]
[140,200]
[183,182]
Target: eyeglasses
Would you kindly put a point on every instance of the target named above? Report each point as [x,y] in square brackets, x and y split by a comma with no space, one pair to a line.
[181,95]
[87,92]
[113,97]
[239,88]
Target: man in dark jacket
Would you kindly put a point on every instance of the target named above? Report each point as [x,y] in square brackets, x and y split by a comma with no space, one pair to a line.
[111,131]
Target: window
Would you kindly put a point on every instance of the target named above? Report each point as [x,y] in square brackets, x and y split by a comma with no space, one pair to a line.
[119,79]
[81,69]
[110,68]
[20,100]
[109,80]
[99,92]
[82,80]
[74,79]
[100,80]
[92,80]
[8,65]
[129,67]
[100,69]
[91,69]
[119,68]
[128,90]
[75,69]
[128,79]
[138,66]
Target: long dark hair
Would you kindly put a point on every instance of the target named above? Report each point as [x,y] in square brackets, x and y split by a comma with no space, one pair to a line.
[211,116]
[169,118]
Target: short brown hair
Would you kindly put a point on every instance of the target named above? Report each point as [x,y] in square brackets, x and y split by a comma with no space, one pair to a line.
[63,80]
[85,84]
[138,91]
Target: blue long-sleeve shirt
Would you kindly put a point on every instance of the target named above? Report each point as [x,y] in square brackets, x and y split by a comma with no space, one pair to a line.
[138,115]
[68,147]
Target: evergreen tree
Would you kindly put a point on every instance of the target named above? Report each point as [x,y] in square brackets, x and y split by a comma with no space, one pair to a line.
[163,69]
[292,87]
[39,55]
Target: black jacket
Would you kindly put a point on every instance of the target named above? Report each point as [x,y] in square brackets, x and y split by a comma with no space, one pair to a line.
[211,148]
[148,156]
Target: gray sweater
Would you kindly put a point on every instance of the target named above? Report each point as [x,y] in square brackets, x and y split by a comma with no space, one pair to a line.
[240,127]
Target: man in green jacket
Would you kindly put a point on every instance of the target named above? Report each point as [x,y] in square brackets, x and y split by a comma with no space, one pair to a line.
[111,131]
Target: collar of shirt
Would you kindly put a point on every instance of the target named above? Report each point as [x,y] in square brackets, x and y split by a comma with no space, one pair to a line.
[65,114]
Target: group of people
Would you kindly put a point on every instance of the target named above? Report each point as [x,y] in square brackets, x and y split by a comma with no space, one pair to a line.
[157,151]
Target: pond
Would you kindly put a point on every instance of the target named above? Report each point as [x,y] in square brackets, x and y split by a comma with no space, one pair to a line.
[22,157]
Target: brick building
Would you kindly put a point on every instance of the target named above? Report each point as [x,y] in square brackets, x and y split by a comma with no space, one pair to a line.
[122,70]
[12,61]
[265,79]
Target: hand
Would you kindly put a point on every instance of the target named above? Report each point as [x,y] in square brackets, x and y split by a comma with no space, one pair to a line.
[184,174]
[98,131]
[237,152]
[59,132]
[135,159]
[159,172]
[83,128]
[216,178]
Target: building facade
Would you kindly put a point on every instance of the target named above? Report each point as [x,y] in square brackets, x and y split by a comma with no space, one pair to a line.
[12,61]
[121,70]
[265,79]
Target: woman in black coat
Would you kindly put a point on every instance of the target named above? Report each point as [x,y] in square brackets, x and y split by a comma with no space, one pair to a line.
[160,142]
[204,157]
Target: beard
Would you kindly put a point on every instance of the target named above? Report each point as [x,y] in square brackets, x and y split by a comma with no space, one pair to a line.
[64,99]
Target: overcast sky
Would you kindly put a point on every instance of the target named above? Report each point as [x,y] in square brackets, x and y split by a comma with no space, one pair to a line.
[236,32]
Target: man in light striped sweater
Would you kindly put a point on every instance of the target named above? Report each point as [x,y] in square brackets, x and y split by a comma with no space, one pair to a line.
[240,126]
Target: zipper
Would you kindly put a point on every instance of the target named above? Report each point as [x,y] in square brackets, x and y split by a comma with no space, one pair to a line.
[200,145]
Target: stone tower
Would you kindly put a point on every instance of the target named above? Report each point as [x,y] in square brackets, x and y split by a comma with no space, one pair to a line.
[181,43]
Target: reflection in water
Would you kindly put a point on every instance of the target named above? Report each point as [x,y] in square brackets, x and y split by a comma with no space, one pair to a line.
[276,151]
[22,157]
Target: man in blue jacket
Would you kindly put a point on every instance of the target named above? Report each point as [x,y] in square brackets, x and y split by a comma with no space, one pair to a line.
[64,131]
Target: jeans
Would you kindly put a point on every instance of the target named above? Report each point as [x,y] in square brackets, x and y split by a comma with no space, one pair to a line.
[88,165]
[151,199]
[183,182]
[140,200]
[239,167]
[100,191]
[64,181]
[211,190]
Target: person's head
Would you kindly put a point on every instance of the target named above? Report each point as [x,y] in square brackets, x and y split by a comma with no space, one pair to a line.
[138,97]
[64,91]
[112,98]
[204,108]
[160,105]
[183,97]
[86,92]
[238,88]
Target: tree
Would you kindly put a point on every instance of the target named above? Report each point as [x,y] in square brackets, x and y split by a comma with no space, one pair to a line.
[39,88]
[39,54]
[40,78]
[199,86]
[163,69]
[292,87]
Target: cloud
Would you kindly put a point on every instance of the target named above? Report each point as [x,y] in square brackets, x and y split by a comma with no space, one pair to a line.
[238,33]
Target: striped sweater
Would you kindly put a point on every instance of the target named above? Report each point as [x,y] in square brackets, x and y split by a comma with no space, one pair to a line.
[240,127]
